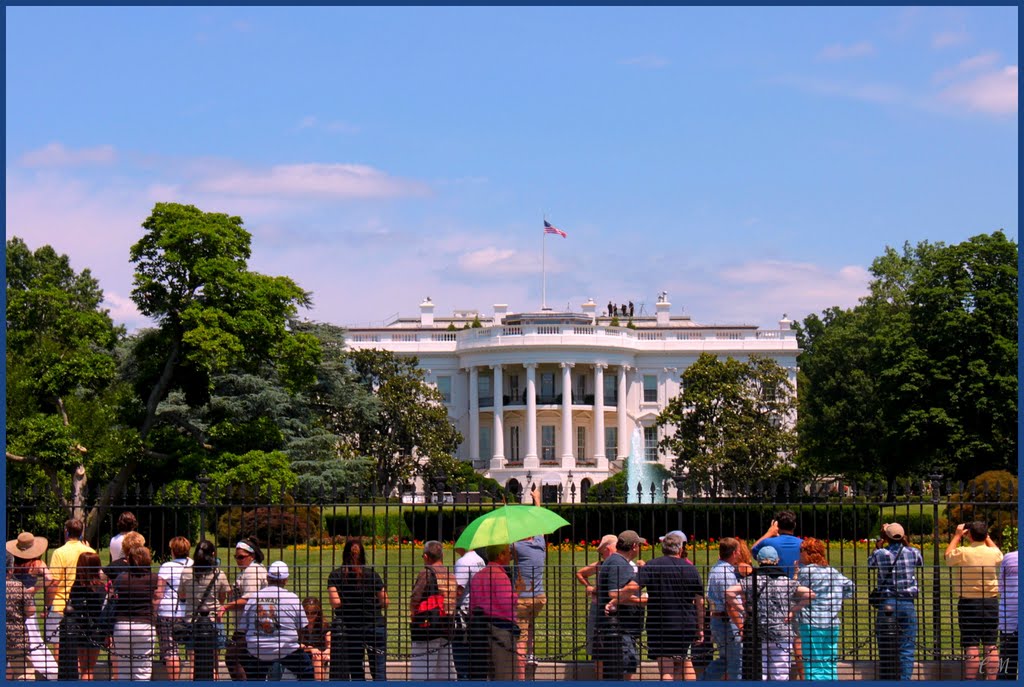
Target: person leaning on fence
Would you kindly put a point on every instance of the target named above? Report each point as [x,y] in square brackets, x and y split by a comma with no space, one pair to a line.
[19,609]
[136,594]
[468,564]
[766,603]
[271,621]
[724,632]
[818,622]
[358,596]
[620,615]
[63,564]
[29,569]
[896,620]
[431,646]
[978,605]
[202,590]
[251,578]
[1008,637]
[169,612]
[605,548]
[492,618]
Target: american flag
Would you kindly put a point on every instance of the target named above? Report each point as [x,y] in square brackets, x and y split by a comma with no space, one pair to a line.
[550,229]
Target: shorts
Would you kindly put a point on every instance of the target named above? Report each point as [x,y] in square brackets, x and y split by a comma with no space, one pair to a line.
[165,635]
[51,627]
[978,620]
[618,649]
[527,610]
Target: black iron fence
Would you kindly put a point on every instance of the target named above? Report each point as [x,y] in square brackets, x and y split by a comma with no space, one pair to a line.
[308,532]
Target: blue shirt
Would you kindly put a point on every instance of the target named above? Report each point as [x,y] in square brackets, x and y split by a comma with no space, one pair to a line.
[1008,593]
[721,577]
[531,555]
[788,547]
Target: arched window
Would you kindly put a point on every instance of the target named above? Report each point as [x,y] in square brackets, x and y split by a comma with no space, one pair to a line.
[585,485]
[514,487]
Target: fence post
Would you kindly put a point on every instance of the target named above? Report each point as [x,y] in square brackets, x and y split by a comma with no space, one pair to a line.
[936,479]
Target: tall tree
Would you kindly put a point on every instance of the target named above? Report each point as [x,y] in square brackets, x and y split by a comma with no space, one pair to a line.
[732,421]
[213,315]
[921,375]
[61,370]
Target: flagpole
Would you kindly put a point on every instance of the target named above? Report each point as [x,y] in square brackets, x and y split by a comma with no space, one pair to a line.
[543,269]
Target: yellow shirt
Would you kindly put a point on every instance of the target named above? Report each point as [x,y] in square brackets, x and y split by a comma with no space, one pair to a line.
[979,570]
[63,566]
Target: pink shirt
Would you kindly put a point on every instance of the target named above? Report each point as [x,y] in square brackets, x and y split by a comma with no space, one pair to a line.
[491,593]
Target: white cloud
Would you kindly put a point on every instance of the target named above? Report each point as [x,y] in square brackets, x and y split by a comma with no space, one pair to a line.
[948,39]
[884,94]
[493,261]
[646,61]
[57,155]
[838,51]
[993,93]
[314,179]
[123,311]
[971,64]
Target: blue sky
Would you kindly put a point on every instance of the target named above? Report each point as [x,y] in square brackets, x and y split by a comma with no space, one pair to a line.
[750,162]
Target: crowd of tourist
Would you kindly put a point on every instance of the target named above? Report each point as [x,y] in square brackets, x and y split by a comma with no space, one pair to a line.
[772,611]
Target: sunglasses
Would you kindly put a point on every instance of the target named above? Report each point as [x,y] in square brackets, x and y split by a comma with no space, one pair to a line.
[243,554]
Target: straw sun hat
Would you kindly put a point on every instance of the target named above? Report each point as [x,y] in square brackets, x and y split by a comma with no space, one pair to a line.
[27,546]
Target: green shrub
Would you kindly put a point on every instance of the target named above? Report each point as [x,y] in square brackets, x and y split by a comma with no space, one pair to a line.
[991,497]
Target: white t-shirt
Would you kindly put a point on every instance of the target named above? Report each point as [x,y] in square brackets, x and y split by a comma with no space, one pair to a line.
[115,546]
[467,566]
[271,621]
[170,572]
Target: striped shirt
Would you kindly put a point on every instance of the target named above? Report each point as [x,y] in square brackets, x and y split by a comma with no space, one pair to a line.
[899,580]
[830,587]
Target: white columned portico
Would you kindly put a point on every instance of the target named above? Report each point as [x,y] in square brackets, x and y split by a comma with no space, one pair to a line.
[498,440]
[599,458]
[620,414]
[568,461]
[530,459]
[474,414]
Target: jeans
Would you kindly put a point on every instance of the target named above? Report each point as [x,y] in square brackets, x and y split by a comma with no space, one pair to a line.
[820,654]
[1007,656]
[298,662]
[727,639]
[896,630]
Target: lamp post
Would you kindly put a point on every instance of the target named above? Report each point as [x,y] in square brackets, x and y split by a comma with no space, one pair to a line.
[570,487]
[528,488]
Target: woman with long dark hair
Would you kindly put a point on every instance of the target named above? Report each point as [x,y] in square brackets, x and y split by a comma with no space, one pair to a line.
[202,589]
[358,597]
[86,599]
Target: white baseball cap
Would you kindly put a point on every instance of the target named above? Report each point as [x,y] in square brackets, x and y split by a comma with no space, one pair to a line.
[278,570]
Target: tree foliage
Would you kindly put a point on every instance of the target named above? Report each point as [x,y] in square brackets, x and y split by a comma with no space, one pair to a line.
[732,421]
[921,375]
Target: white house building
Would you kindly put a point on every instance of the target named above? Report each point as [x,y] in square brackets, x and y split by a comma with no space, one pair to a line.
[553,398]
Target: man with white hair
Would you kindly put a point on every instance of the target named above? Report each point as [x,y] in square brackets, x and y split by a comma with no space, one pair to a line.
[271,621]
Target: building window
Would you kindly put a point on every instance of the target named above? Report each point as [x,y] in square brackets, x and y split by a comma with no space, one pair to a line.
[581,389]
[547,443]
[585,485]
[513,440]
[650,388]
[547,387]
[549,493]
[513,388]
[611,443]
[650,443]
[611,389]
[444,385]
[484,391]
[486,447]
[581,443]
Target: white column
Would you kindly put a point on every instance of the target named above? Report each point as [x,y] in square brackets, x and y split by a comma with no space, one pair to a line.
[599,458]
[474,414]
[498,461]
[530,459]
[568,461]
[620,410]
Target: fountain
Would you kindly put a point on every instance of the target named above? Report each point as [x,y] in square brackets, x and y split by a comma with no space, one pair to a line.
[640,471]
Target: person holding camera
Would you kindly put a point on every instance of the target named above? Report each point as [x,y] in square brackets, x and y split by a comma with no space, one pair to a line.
[978,606]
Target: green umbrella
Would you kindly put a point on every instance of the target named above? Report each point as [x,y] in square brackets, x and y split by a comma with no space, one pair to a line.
[509,524]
